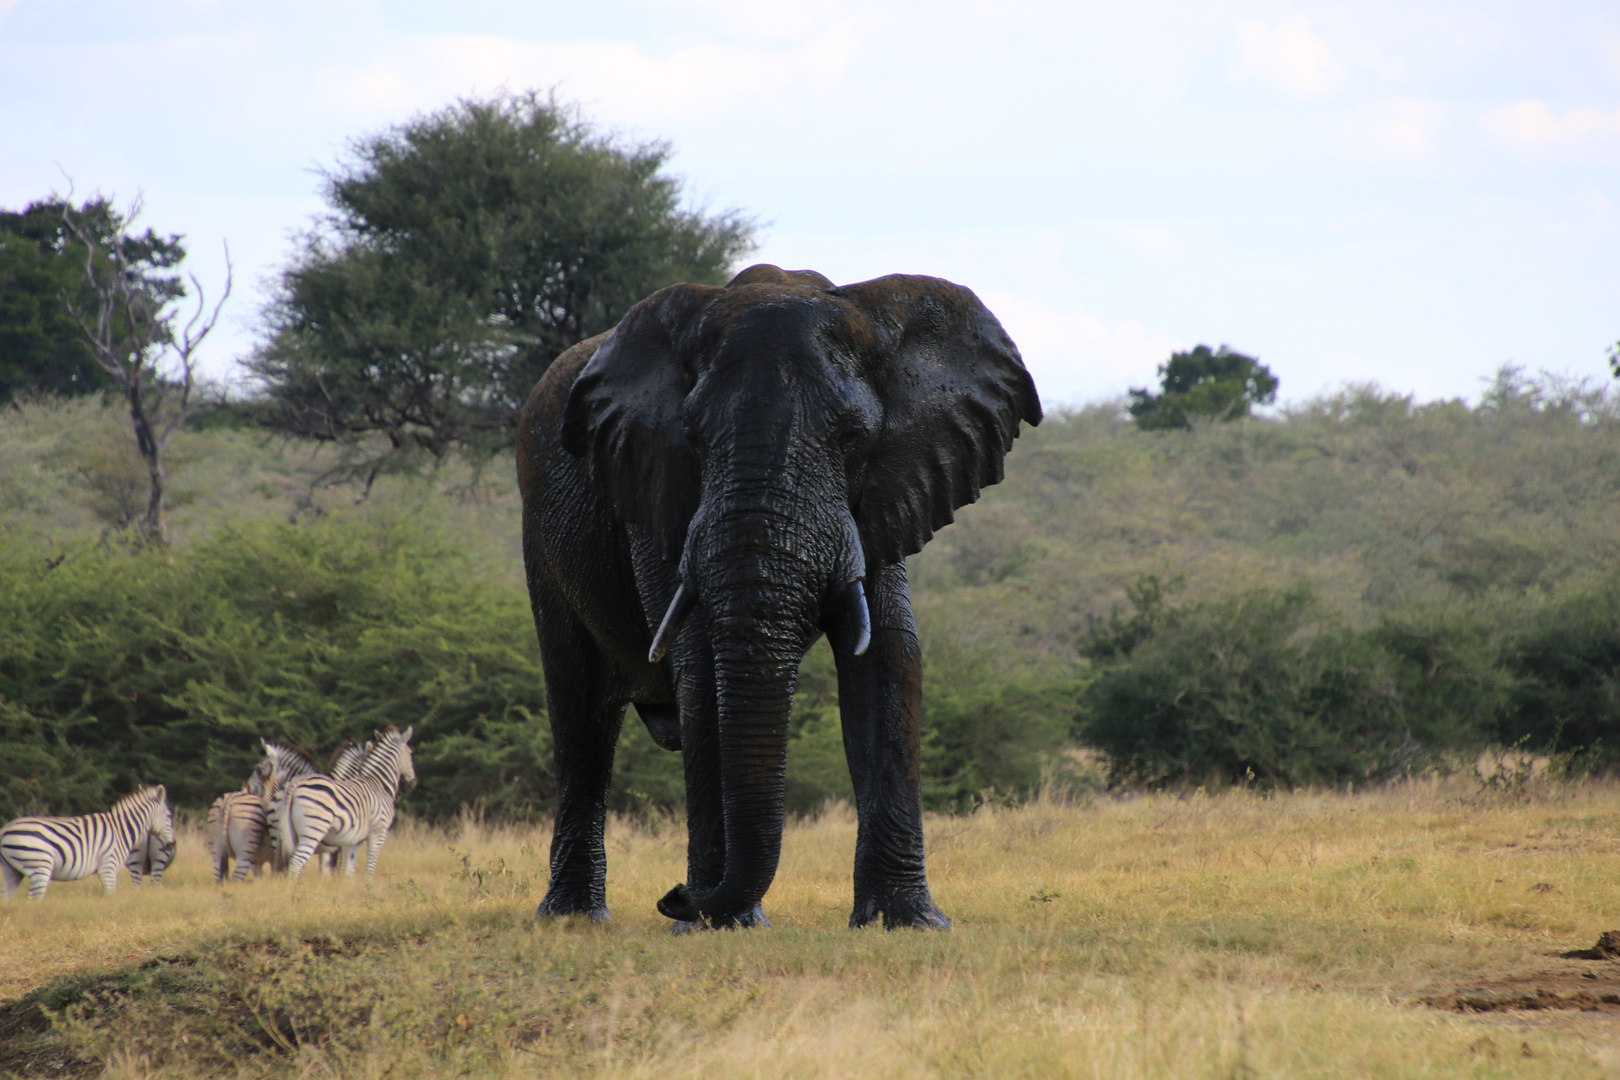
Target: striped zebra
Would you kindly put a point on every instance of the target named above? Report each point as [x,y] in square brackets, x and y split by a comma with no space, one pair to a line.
[150,859]
[238,826]
[44,849]
[287,763]
[319,810]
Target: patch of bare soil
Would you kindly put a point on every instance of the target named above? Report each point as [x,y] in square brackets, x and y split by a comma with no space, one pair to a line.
[1587,980]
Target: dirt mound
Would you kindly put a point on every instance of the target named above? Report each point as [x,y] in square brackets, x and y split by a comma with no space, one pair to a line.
[1580,985]
[1607,948]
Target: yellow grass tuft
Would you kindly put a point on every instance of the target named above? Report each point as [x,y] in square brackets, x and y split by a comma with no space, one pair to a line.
[1235,935]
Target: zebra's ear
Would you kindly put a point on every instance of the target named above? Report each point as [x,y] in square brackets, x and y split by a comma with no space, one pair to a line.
[407,737]
[162,793]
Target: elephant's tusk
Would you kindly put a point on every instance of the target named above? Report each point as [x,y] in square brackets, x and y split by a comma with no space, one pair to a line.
[855,597]
[679,609]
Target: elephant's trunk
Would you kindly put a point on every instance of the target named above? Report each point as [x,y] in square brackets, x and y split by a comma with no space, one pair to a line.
[763,596]
[755,699]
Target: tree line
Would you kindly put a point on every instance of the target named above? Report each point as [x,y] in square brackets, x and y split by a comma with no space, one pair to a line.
[459,254]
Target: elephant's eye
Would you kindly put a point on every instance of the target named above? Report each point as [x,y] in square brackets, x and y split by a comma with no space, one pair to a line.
[857,421]
[691,431]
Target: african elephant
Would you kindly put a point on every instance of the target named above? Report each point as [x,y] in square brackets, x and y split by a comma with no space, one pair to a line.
[707,488]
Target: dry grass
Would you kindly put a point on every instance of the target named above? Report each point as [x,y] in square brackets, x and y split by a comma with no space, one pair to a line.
[1224,936]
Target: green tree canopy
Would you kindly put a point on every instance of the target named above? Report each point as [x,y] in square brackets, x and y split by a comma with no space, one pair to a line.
[463,251]
[1217,383]
[42,276]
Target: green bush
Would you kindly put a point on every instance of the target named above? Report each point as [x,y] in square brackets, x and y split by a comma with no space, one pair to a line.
[127,666]
[1566,696]
[1266,685]
[1259,687]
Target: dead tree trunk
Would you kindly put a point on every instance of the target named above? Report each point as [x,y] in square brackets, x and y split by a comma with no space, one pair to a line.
[130,330]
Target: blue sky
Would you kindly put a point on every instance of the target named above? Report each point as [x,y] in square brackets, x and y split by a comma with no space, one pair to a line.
[1411,193]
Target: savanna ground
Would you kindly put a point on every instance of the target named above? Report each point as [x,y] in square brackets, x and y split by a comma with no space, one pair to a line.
[1417,930]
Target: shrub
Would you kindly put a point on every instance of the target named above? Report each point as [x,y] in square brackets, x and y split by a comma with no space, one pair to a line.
[120,667]
[1260,686]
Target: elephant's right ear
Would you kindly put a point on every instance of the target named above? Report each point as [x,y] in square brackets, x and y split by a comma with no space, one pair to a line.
[624,416]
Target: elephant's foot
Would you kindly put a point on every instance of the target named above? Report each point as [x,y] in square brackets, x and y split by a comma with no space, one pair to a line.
[555,907]
[904,909]
[678,904]
[747,920]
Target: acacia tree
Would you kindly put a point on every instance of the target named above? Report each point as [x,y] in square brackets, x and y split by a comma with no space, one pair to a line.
[463,251]
[133,335]
[1217,383]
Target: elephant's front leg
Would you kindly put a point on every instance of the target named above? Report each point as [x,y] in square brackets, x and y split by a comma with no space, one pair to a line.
[880,700]
[585,721]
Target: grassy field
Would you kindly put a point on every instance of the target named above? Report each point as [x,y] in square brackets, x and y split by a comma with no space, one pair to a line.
[1414,931]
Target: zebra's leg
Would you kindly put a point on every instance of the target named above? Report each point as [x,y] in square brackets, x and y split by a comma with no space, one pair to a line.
[39,879]
[244,863]
[109,875]
[10,878]
[315,826]
[351,856]
[374,844]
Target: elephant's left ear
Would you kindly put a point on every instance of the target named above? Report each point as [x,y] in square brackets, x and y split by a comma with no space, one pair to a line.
[953,389]
[624,416]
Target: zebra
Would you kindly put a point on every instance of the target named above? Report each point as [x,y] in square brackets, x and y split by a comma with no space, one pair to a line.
[43,849]
[287,763]
[150,859]
[238,826]
[317,810]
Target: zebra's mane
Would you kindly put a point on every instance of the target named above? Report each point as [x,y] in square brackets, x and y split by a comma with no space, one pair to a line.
[343,747]
[388,736]
[291,749]
[147,793]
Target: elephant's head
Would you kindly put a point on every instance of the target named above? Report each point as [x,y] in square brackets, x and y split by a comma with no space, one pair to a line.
[780,437]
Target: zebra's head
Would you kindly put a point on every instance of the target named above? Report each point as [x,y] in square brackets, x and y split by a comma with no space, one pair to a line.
[262,782]
[160,823]
[286,763]
[391,743]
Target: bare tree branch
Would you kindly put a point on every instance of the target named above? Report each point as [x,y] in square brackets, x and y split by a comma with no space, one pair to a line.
[158,393]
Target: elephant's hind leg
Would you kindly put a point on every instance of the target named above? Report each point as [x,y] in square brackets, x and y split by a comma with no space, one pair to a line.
[586,708]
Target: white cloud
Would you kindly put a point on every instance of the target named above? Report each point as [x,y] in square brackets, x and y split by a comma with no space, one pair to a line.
[614,78]
[1532,125]
[1154,244]
[1401,130]
[1076,356]
[1286,55]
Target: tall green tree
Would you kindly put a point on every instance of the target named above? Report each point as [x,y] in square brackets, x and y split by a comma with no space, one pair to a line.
[462,252]
[1217,383]
[42,279]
